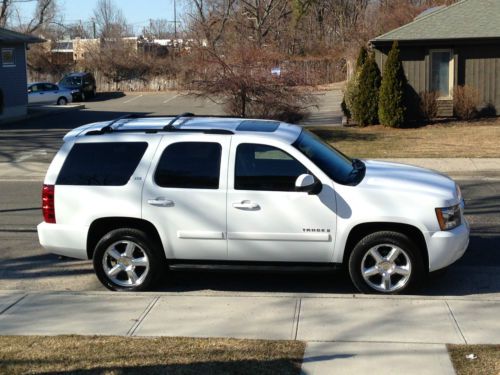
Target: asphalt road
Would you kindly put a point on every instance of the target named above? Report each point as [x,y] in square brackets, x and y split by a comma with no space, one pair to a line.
[38,139]
[24,264]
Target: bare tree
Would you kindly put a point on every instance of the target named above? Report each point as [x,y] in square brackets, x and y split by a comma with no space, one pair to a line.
[45,13]
[158,29]
[209,19]
[111,22]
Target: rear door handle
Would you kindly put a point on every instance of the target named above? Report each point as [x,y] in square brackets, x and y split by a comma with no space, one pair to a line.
[161,202]
[246,205]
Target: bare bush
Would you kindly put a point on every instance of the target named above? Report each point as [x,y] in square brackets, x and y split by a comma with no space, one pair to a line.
[428,104]
[465,102]
[241,81]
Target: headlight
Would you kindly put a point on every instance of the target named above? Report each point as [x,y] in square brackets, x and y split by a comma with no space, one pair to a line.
[449,217]
[75,91]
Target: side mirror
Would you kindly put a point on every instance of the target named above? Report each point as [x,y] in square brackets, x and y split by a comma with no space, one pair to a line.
[308,184]
[30,91]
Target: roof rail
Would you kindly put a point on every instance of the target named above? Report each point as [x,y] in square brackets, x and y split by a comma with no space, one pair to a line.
[170,125]
[109,128]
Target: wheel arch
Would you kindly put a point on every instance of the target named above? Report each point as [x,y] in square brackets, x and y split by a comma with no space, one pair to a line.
[101,226]
[364,229]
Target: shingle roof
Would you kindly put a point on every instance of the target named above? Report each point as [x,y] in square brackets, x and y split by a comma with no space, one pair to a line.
[15,37]
[465,19]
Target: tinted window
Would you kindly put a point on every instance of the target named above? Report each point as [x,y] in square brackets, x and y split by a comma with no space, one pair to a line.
[103,164]
[190,165]
[261,167]
[71,81]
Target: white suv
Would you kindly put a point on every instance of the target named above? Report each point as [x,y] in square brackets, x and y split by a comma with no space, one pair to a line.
[140,196]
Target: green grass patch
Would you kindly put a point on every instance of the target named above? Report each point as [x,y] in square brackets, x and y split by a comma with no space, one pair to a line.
[133,355]
[486,363]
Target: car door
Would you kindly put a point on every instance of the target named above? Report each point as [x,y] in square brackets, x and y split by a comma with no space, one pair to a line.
[51,93]
[267,219]
[36,94]
[185,195]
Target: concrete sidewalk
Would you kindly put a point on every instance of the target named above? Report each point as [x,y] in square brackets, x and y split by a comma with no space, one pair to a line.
[344,333]
[455,167]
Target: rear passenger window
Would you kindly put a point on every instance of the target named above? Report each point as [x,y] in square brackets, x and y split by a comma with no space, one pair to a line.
[190,165]
[267,168]
[101,164]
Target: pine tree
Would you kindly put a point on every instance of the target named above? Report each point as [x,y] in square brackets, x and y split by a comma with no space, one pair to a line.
[362,57]
[365,106]
[351,90]
[392,109]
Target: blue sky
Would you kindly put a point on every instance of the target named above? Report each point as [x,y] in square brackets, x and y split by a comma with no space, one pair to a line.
[137,12]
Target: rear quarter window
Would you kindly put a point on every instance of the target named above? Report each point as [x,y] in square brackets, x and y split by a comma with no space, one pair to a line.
[101,164]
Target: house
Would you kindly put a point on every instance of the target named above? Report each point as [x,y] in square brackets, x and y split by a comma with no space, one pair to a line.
[13,81]
[450,46]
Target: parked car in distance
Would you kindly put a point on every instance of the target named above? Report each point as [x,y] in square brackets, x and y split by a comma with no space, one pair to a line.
[81,84]
[48,93]
[145,196]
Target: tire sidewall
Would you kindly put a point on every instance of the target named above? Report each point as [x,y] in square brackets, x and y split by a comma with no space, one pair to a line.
[62,101]
[141,240]
[386,237]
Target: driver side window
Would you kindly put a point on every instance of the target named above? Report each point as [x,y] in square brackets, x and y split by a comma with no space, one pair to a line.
[266,168]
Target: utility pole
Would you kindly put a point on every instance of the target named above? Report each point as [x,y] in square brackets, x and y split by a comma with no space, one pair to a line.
[175,20]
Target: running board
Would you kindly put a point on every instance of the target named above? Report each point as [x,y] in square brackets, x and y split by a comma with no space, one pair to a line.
[255,266]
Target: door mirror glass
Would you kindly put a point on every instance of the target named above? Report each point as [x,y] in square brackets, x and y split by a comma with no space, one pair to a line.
[308,184]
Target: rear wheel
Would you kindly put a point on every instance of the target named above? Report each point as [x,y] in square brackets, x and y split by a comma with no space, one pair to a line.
[126,260]
[62,101]
[387,263]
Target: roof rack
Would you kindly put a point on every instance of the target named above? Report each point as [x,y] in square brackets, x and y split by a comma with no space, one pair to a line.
[109,128]
[170,125]
[167,128]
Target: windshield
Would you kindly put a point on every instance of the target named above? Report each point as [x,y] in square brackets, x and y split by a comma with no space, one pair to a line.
[332,162]
[71,81]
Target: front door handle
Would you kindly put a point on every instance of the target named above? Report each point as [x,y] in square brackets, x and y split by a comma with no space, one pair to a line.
[246,205]
[160,202]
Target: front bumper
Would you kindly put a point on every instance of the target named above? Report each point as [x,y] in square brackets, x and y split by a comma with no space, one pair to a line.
[66,240]
[446,247]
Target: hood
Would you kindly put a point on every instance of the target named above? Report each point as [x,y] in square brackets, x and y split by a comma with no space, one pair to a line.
[402,177]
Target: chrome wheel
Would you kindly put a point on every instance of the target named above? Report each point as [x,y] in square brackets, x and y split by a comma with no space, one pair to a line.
[126,263]
[386,268]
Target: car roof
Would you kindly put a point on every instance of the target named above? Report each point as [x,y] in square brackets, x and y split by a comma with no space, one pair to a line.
[226,125]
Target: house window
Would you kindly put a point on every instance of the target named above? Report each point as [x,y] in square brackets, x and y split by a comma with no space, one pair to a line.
[8,58]
[442,73]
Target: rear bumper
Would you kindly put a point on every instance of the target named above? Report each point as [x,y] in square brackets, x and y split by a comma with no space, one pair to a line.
[446,247]
[66,240]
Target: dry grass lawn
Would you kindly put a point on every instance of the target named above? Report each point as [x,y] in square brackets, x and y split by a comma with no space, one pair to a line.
[479,139]
[132,355]
[487,362]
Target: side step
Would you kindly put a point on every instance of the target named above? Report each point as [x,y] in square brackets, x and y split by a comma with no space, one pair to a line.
[183,265]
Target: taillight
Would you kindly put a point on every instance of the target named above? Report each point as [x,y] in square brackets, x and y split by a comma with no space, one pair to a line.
[48,208]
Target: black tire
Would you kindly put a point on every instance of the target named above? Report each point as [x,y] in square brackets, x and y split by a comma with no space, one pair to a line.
[409,260]
[118,239]
[62,101]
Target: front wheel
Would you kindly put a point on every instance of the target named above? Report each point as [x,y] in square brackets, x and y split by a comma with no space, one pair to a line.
[387,263]
[126,260]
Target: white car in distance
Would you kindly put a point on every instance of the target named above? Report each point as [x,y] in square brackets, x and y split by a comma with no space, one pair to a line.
[48,93]
[141,196]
